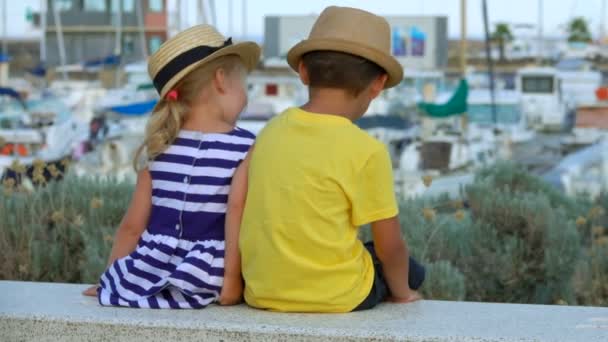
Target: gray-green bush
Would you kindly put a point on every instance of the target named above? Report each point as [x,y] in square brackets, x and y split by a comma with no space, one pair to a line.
[509,238]
[61,232]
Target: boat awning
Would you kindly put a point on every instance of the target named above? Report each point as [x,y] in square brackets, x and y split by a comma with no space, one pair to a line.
[108,60]
[135,109]
[145,86]
[10,92]
[21,136]
[456,105]
[383,121]
[38,71]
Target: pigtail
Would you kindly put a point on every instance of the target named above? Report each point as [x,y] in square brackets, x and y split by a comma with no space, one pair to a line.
[162,129]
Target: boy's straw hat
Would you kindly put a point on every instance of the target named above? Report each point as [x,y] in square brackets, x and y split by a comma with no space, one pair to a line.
[192,48]
[353,31]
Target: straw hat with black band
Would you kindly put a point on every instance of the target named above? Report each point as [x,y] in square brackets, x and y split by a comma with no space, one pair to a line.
[192,48]
[353,31]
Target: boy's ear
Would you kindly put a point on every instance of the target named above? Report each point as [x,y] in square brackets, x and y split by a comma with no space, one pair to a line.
[377,85]
[303,72]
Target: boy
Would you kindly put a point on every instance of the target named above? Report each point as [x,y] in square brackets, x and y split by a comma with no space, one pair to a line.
[314,178]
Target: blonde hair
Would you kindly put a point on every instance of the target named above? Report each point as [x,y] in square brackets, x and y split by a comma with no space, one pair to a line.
[166,121]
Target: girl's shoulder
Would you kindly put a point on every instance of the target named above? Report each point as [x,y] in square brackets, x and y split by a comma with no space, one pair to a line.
[243,133]
[236,135]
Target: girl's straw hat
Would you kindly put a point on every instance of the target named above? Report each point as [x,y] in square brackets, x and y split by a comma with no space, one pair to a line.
[353,31]
[192,48]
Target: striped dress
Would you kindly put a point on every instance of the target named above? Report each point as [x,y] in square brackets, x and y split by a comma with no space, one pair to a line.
[179,259]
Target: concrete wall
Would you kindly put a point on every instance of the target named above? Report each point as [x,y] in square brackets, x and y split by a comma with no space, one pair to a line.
[58,312]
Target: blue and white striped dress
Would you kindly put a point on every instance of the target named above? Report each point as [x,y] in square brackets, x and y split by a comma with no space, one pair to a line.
[179,260]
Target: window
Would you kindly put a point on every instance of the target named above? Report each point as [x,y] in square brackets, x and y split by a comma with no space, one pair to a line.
[272,89]
[128,45]
[154,43]
[507,114]
[95,5]
[537,84]
[64,5]
[155,5]
[128,6]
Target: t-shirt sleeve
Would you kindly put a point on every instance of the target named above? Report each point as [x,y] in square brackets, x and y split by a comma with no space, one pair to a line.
[374,194]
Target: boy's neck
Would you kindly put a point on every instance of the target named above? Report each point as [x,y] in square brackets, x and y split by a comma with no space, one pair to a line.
[333,102]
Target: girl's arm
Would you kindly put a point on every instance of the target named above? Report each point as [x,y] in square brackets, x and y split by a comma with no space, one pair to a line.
[232,291]
[135,220]
[133,223]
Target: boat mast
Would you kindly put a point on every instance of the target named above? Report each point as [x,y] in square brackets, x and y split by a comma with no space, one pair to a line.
[463,55]
[463,37]
[4,29]
[140,25]
[43,13]
[539,58]
[244,18]
[118,41]
[489,59]
[602,36]
[230,19]
[213,15]
[118,31]
[201,15]
[178,16]
[60,41]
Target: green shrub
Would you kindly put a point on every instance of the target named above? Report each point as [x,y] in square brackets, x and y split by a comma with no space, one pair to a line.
[61,232]
[516,240]
[444,282]
[526,248]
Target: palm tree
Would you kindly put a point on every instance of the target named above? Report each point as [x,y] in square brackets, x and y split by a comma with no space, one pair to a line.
[578,31]
[502,35]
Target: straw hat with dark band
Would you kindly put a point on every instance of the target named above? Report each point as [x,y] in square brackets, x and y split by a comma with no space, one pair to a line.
[192,48]
[353,31]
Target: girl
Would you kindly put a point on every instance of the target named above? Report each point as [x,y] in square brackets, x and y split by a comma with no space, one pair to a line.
[169,250]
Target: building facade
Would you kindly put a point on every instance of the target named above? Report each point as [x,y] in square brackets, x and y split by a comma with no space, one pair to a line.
[89,29]
[419,42]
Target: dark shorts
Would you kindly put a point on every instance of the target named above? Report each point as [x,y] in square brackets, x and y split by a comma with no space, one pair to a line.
[380,290]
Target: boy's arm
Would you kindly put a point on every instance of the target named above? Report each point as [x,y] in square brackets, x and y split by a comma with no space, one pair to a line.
[374,202]
[392,252]
[233,282]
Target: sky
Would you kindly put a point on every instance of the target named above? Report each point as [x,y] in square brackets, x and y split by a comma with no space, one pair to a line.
[555,13]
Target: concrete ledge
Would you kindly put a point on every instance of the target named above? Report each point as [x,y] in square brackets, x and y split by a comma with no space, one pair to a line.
[57,312]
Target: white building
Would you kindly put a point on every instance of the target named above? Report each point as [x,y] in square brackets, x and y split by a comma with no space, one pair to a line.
[418,42]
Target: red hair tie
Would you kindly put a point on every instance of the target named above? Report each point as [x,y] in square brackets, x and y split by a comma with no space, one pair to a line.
[172,95]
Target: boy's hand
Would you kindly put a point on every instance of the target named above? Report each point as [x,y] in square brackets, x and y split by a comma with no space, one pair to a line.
[232,291]
[412,297]
[91,291]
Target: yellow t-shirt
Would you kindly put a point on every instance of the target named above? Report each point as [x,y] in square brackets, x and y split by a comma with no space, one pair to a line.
[313,180]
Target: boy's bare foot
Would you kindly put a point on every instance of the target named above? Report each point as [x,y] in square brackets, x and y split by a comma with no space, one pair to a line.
[91,291]
[412,297]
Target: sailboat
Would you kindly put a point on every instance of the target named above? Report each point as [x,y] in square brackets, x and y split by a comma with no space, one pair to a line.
[34,130]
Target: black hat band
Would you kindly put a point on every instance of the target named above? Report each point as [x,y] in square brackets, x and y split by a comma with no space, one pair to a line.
[182,61]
